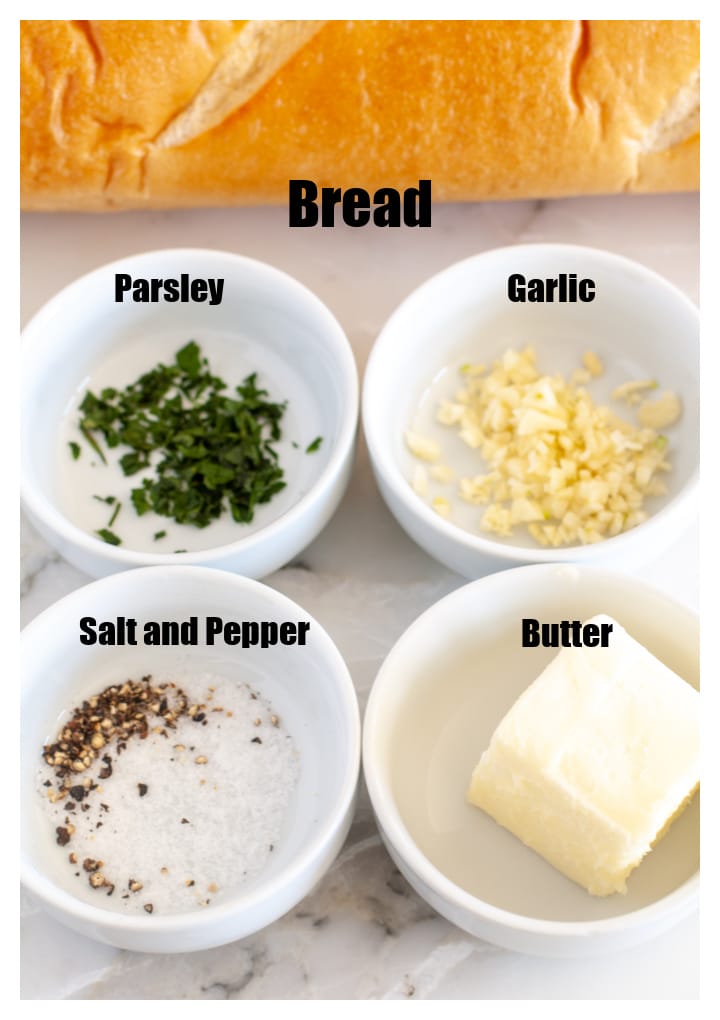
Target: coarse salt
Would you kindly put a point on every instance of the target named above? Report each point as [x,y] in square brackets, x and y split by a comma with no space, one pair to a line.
[185,818]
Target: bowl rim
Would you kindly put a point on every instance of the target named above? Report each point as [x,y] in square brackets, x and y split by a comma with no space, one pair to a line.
[388,471]
[41,885]
[47,512]
[403,843]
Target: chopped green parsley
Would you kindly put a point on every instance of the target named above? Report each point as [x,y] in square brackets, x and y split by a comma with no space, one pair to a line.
[206,450]
[109,536]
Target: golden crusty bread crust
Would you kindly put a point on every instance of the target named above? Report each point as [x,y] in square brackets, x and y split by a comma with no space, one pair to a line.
[133,114]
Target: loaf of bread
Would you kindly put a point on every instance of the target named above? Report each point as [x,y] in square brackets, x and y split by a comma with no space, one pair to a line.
[147,114]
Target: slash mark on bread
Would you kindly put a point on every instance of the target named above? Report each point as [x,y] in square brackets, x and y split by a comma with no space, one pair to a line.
[261,49]
[577,62]
[86,29]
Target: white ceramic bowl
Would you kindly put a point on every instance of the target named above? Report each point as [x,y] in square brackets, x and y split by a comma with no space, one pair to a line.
[309,686]
[434,705]
[640,325]
[266,322]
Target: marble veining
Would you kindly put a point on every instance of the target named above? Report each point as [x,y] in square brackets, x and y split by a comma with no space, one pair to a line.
[363,932]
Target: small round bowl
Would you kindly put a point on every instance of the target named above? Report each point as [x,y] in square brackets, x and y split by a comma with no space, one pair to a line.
[309,686]
[639,324]
[266,322]
[433,708]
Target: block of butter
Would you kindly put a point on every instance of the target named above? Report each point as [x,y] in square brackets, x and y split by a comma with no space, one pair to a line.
[594,760]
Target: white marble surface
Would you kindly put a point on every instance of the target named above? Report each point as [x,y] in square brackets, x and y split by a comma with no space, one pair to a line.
[363,933]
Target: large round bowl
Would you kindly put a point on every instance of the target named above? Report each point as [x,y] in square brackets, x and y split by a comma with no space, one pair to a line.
[640,326]
[267,323]
[433,708]
[310,686]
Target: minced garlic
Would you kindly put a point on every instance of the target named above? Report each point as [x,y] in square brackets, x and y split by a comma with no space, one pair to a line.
[592,363]
[567,469]
[442,473]
[660,413]
[419,446]
[441,506]
[631,392]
